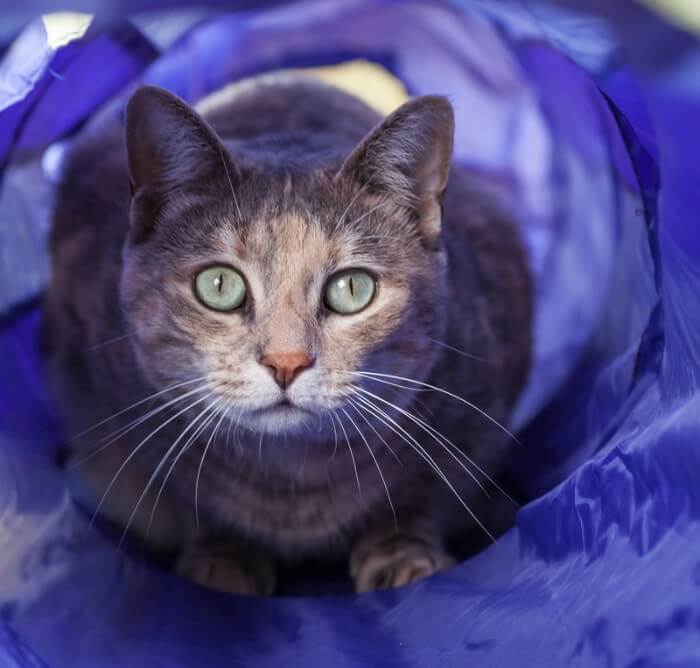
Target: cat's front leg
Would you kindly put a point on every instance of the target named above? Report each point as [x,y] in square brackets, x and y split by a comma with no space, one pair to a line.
[223,564]
[386,557]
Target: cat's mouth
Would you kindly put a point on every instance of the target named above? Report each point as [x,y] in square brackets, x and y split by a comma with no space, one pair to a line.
[281,416]
[284,404]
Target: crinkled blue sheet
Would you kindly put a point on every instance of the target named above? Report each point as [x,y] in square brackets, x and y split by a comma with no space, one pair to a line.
[603,565]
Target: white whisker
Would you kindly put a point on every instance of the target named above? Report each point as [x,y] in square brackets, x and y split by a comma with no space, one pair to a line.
[371,426]
[65,358]
[160,466]
[262,435]
[236,439]
[352,455]
[376,464]
[424,426]
[212,409]
[150,397]
[305,458]
[379,376]
[387,420]
[130,426]
[458,350]
[133,454]
[335,434]
[352,201]
[444,442]
[227,440]
[367,213]
[230,183]
[224,413]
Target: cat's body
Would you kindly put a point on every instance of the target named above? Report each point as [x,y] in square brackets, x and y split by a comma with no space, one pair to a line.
[285,206]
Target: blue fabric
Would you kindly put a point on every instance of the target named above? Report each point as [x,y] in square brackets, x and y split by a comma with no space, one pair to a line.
[603,565]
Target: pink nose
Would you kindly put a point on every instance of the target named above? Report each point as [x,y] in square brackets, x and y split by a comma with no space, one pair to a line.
[285,367]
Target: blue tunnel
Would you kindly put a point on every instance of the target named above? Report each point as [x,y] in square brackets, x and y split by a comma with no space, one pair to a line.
[586,114]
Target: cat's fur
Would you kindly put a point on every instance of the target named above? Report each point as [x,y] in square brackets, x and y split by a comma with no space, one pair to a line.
[288,181]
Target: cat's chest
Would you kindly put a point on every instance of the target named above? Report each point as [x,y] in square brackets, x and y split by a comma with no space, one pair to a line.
[315,505]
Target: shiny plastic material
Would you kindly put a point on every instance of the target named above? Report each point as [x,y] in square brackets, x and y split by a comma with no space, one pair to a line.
[603,565]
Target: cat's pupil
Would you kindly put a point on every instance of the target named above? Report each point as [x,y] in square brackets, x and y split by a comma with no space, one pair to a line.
[219,282]
[351,285]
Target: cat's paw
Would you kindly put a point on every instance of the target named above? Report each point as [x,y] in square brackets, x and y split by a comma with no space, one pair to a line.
[228,568]
[394,562]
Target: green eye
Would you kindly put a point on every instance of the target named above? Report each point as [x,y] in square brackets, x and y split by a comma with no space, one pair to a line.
[349,291]
[221,288]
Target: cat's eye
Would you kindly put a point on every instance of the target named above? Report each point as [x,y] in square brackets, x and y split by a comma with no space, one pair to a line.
[221,288]
[349,291]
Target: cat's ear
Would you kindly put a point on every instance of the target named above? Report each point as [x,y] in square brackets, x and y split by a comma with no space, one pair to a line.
[407,159]
[169,146]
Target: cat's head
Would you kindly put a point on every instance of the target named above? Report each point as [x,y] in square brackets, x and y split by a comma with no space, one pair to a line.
[267,290]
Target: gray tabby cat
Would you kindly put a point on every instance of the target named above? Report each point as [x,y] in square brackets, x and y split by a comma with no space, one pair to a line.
[266,321]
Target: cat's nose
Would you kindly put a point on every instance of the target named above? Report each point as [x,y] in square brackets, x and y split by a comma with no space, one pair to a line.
[286,366]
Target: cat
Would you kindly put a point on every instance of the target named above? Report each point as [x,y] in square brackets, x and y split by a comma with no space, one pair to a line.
[280,325]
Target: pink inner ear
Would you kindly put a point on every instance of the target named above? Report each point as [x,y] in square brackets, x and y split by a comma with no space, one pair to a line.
[432,174]
[430,186]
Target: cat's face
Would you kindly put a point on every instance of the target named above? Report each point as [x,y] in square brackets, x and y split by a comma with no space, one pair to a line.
[273,291]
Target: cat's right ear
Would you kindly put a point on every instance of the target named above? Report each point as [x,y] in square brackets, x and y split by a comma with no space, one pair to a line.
[169,146]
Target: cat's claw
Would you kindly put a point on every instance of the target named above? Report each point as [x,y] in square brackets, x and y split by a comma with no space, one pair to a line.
[227,568]
[394,563]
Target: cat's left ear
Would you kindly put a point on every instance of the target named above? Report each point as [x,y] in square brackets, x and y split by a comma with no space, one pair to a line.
[406,158]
